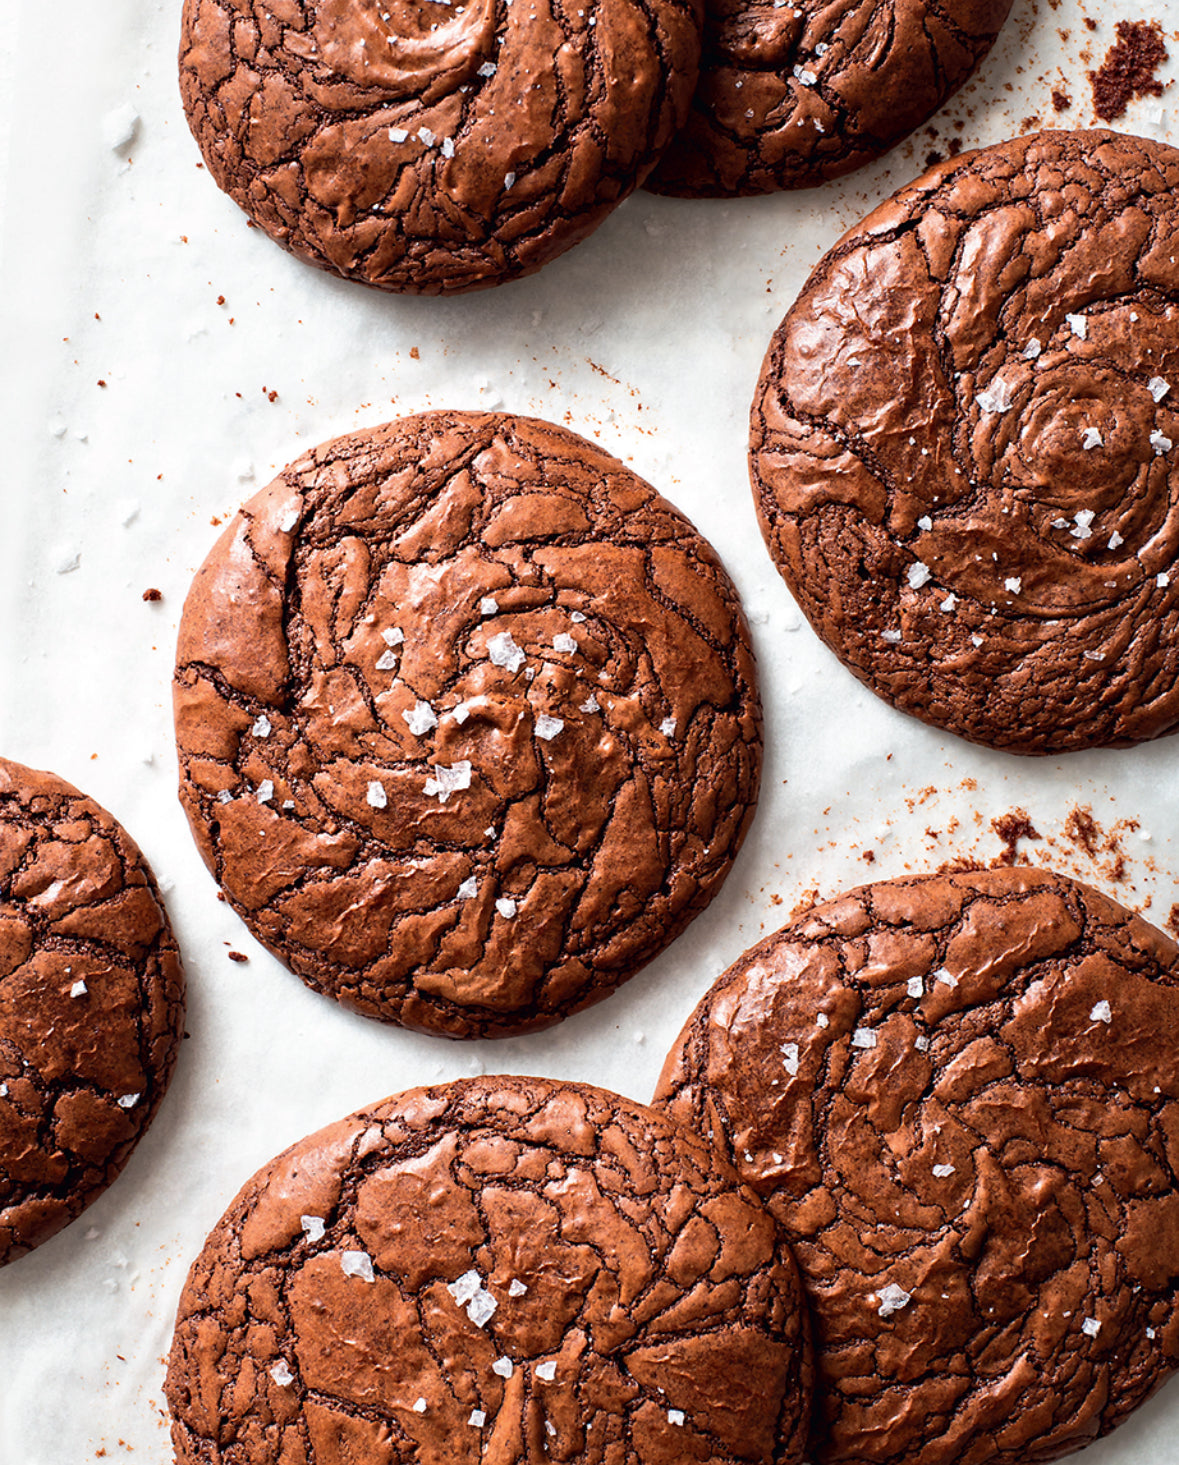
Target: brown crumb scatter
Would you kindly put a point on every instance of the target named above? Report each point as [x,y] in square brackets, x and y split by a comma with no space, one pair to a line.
[1011,828]
[775,899]
[1061,101]
[954,146]
[414,354]
[1173,921]
[153,594]
[221,300]
[1030,124]
[1083,830]
[238,956]
[1090,23]
[101,383]
[869,856]
[932,158]
[1128,69]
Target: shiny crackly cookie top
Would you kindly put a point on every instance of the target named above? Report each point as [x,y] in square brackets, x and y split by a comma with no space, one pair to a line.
[959,1095]
[963,444]
[793,92]
[503,1269]
[434,146]
[91,999]
[467,721]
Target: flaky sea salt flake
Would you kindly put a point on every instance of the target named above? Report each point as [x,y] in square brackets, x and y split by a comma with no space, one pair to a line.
[426,136]
[996,398]
[1032,349]
[941,1171]
[478,1419]
[564,642]
[469,889]
[1078,325]
[503,651]
[387,661]
[506,907]
[547,1371]
[548,727]
[393,636]
[1090,1326]
[667,727]
[1014,584]
[128,1101]
[313,1227]
[516,1288]
[1091,438]
[915,987]
[376,795]
[892,637]
[1162,579]
[449,780]
[918,574]
[398,134]
[863,1038]
[421,719]
[590,704]
[79,989]
[790,1058]
[1160,443]
[1116,540]
[357,1264]
[1158,388]
[281,1373]
[265,791]
[892,1299]
[1102,1012]
[503,1368]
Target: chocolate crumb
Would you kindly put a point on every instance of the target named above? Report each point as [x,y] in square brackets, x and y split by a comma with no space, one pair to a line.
[1128,69]
[932,158]
[869,856]
[954,146]
[1061,101]
[1083,830]
[101,383]
[153,594]
[237,956]
[1090,23]
[1173,921]
[414,354]
[1011,828]
[1030,124]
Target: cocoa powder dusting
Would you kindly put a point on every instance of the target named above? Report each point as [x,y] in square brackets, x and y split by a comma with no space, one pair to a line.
[1128,69]
[1011,828]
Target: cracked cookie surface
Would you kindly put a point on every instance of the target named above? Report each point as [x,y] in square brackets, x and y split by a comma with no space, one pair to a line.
[500,1269]
[434,147]
[91,1003]
[959,1096]
[963,445]
[467,719]
[792,93]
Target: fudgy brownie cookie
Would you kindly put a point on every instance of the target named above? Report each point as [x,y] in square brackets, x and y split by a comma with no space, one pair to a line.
[91,1003]
[962,445]
[434,146]
[792,92]
[501,1269]
[958,1095]
[467,720]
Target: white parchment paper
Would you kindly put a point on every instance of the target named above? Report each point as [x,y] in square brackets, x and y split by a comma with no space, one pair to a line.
[124,265]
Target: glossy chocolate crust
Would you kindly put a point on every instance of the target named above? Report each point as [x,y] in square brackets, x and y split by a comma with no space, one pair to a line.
[962,445]
[467,719]
[499,1270]
[791,94]
[91,1003]
[959,1095]
[431,147]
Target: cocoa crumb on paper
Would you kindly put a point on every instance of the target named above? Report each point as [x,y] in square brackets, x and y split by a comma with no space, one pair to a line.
[1128,69]
[1011,828]
[153,594]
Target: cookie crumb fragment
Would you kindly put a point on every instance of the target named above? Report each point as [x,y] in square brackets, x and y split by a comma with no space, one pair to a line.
[1128,69]
[153,594]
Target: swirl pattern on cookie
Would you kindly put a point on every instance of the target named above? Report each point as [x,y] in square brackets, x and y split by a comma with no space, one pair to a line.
[963,445]
[434,146]
[467,720]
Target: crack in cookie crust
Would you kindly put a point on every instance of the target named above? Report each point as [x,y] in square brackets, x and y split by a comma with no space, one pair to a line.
[959,1095]
[468,721]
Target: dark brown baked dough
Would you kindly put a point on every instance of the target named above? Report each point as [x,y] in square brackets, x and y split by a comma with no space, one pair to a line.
[499,1270]
[467,719]
[434,146]
[962,445]
[958,1095]
[91,1003]
[792,92]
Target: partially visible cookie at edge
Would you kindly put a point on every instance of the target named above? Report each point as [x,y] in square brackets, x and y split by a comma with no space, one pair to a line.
[523,1270]
[963,445]
[430,147]
[468,721]
[793,94]
[91,1003]
[959,1096]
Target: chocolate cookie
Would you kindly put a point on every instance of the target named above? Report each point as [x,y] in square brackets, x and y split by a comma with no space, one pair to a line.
[792,93]
[467,720]
[434,146]
[959,1095]
[502,1269]
[962,445]
[91,1003]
